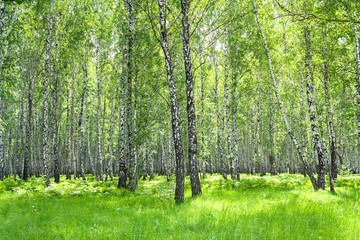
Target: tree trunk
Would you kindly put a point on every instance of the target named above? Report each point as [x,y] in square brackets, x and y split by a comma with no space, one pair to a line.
[2,23]
[99,157]
[109,170]
[194,177]
[70,145]
[271,132]
[92,160]
[332,138]
[46,137]
[174,107]
[80,152]
[129,113]
[357,76]
[122,165]
[54,110]
[320,154]
[235,160]
[218,118]
[202,124]
[230,155]
[28,145]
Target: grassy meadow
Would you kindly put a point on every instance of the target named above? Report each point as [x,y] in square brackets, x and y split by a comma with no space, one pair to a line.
[270,207]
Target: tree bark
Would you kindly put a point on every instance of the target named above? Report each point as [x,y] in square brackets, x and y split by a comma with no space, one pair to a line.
[2,23]
[55,125]
[230,155]
[99,157]
[194,177]
[357,76]
[204,162]
[174,107]
[122,165]
[271,132]
[332,138]
[218,119]
[46,137]
[80,152]
[109,170]
[129,113]
[236,159]
[320,154]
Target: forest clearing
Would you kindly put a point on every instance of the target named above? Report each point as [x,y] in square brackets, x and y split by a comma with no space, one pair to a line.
[186,119]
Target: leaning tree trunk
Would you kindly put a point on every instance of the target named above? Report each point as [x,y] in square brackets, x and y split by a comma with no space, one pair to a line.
[288,129]
[194,177]
[218,118]
[174,107]
[46,137]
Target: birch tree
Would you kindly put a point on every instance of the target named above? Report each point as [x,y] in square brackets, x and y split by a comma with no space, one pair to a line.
[194,177]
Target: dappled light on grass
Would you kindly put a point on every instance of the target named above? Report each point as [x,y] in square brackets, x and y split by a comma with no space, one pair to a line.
[279,207]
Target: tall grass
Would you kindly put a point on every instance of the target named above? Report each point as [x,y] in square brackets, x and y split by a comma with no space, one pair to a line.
[280,207]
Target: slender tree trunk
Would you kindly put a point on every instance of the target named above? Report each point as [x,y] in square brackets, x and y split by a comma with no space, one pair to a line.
[2,23]
[202,124]
[122,165]
[174,107]
[194,177]
[314,127]
[218,119]
[109,170]
[80,145]
[20,137]
[288,129]
[130,121]
[71,156]
[230,155]
[304,138]
[54,110]
[332,138]
[46,137]
[357,76]
[103,163]
[99,157]
[28,146]
[235,160]
[92,160]
[271,132]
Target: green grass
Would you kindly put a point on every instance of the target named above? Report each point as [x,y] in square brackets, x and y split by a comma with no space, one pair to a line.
[280,207]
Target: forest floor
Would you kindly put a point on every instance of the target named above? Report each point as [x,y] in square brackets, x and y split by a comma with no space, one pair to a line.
[270,207]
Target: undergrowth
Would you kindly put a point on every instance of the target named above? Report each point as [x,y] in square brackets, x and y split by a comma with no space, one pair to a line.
[270,207]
